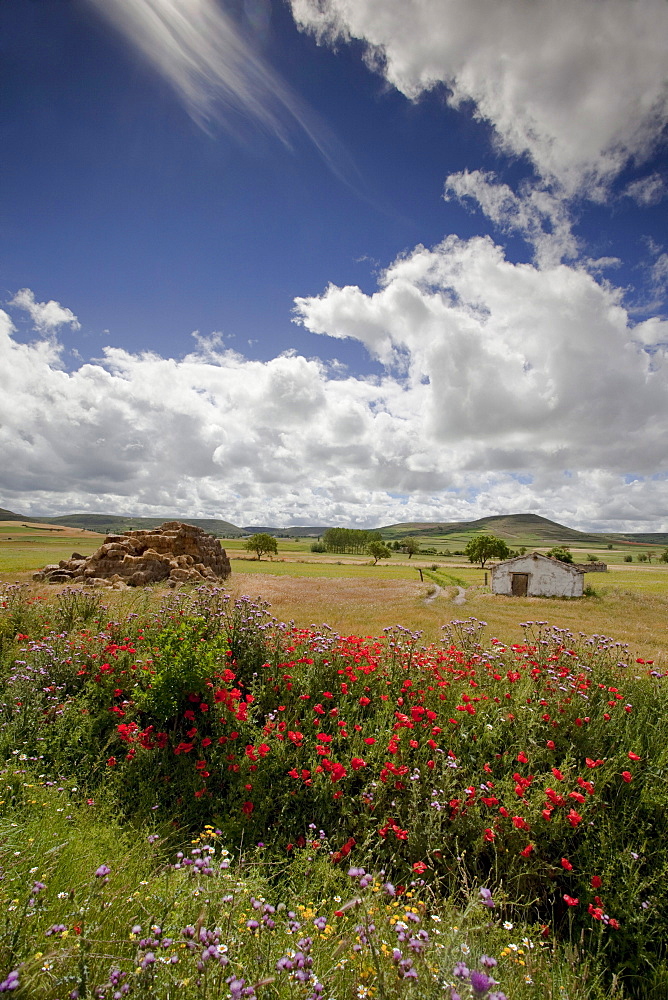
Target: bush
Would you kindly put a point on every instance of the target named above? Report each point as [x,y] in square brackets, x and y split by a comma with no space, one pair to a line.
[451,766]
[628,559]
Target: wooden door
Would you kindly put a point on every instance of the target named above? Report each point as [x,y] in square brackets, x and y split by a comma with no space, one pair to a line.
[519,584]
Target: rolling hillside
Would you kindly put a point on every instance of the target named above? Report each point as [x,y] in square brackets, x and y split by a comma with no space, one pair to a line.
[530,530]
[108,524]
[519,529]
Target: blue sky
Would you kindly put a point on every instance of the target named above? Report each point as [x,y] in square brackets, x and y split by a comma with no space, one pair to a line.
[343,262]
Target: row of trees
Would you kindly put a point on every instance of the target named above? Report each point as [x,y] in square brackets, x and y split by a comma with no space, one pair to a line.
[352,541]
[480,549]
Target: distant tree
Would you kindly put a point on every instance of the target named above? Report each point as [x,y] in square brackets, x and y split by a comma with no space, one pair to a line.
[560,552]
[642,557]
[649,556]
[378,550]
[664,556]
[484,547]
[630,559]
[261,543]
[592,558]
[410,545]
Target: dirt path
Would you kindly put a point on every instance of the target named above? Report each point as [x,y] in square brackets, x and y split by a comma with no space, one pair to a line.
[459,597]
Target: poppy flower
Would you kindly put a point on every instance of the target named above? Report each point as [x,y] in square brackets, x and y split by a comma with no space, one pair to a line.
[570,901]
[565,863]
[627,776]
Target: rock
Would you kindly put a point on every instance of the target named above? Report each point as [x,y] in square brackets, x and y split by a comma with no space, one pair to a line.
[174,552]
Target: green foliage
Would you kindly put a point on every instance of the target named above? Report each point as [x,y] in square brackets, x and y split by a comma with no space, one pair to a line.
[318,547]
[664,556]
[642,557]
[75,606]
[261,544]
[185,661]
[463,765]
[628,559]
[410,545]
[349,540]
[378,550]
[560,552]
[484,547]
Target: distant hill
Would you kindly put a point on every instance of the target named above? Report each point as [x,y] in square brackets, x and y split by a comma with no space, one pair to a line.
[116,524]
[293,532]
[520,529]
[515,529]
[8,515]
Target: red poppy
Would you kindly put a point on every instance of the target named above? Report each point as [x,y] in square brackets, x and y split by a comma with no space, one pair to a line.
[596,881]
[565,863]
[247,808]
[627,776]
[570,901]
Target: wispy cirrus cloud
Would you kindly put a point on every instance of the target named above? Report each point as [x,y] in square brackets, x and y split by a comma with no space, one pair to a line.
[202,53]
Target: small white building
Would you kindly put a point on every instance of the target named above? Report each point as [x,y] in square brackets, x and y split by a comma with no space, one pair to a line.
[535,575]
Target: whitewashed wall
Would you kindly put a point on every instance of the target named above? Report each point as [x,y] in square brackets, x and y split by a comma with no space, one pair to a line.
[547,577]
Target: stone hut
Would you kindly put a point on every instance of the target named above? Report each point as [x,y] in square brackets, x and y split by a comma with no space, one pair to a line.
[535,575]
[174,552]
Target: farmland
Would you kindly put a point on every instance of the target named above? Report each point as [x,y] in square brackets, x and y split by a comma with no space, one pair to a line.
[629,602]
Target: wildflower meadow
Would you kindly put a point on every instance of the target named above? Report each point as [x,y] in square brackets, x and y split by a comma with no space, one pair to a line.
[198,800]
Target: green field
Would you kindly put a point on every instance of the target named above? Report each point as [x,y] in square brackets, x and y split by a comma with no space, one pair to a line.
[628,603]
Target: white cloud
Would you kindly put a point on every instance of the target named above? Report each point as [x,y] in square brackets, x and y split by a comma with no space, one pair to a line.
[46,316]
[518,389]
[536,213]
[648,190]
[577,85]
[216,72]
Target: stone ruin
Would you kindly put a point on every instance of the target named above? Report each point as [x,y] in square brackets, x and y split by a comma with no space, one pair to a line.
[174,552]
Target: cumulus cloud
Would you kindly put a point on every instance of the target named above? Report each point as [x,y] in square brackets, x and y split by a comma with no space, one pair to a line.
[536,213]
[46,316]
[578,86]
[648,190]
[511,367]
[219,76]
[516,389]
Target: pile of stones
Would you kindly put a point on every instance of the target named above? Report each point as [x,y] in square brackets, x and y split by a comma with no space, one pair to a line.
[174,552]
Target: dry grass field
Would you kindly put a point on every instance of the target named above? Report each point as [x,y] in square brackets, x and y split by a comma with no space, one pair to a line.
[629,603]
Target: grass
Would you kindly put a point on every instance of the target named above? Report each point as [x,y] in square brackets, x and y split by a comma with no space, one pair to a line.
[376,812]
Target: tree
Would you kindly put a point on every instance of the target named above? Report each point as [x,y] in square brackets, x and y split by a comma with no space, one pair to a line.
[560,552]
[261,543]
[664,556]
[484,547]
[410,545]
[378,550]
